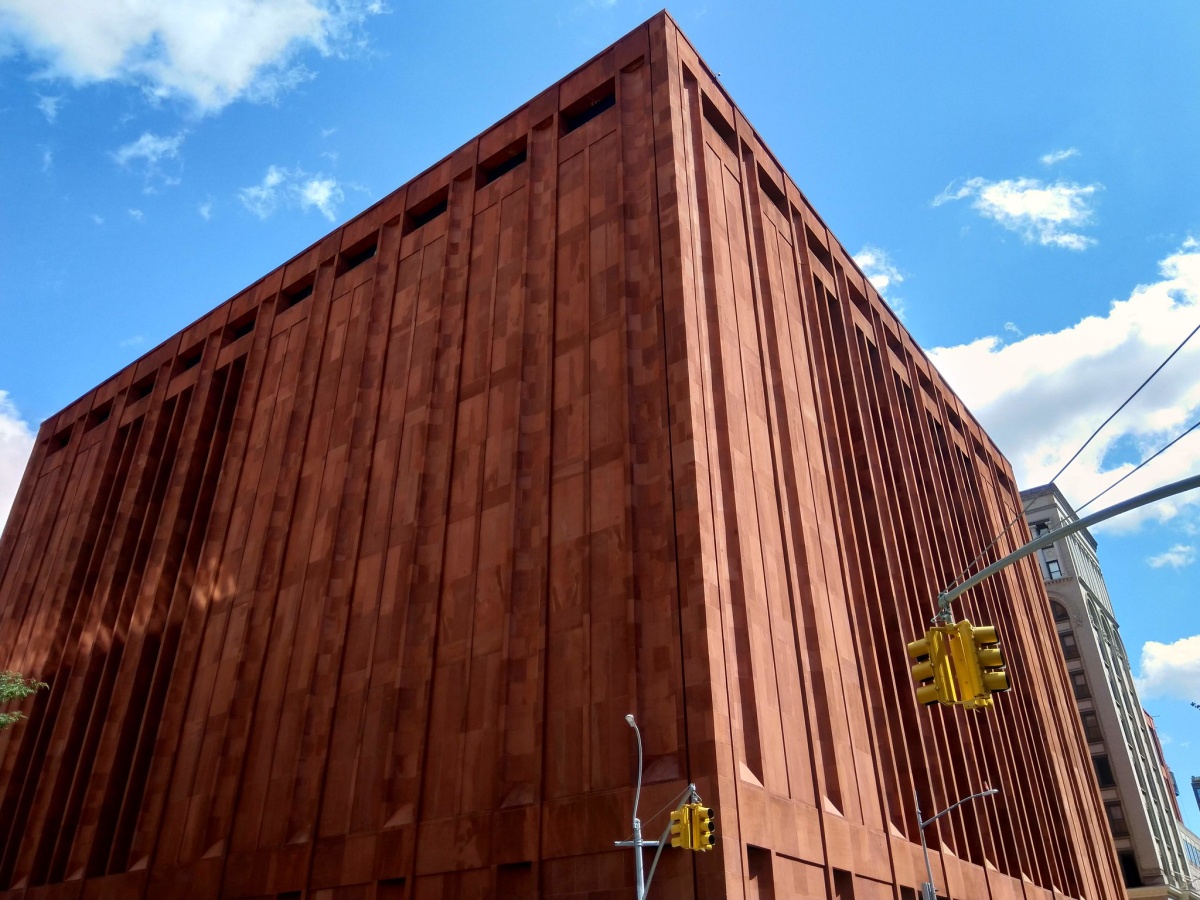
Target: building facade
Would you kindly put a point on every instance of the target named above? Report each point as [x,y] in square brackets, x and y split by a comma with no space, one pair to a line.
[1131,772]
[345,590]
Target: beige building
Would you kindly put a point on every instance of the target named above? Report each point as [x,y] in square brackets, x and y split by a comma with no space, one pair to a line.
[1140,809]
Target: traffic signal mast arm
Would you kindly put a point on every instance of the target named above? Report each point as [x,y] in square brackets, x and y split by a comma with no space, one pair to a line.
[1169,490]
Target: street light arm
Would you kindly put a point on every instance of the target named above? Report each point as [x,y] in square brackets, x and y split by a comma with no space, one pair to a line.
[934,818]
[1167,490]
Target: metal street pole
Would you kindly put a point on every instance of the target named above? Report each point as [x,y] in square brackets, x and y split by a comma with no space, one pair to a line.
[928,892]
[1168,490]
[637,843]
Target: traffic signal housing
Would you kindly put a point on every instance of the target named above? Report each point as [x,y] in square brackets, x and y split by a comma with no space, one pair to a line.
[704,830]
[681,827]
[981,671]
[959,665]
[932,669]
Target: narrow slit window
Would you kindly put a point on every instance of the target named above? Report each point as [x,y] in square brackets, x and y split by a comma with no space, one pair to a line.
[818,250]
[300,290]
[589,106]
[58,441]
[713,116]
[772,191]
[189,359]
[427,210]
[360,253]
[98,416]
[512,156]
[240,327]
[143,388]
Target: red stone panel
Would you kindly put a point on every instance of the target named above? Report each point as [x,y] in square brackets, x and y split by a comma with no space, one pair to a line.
[345,590]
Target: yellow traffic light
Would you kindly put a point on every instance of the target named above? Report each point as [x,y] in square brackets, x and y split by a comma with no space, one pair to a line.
[704,835]
[978,664]
[932,670]
[681,827]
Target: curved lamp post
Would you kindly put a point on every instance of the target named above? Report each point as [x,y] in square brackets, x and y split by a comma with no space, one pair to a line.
[927,890]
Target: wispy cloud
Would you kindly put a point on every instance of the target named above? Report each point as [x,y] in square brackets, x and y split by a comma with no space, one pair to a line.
[882,273]
[1042,395]
[150,148]
[99,220]
[136,214]
[282,187]
[16,443]
[1177,557]
[208,53]
[1047,214]
[49,106]
[1171,670]
[47,159]
[206,210]
[1057,156]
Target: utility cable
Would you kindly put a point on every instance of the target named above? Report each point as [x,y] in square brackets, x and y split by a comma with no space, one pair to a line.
[1075,456]
[1148,459]
[672,804]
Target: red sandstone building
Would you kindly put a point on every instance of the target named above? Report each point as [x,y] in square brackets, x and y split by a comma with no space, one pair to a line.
[345,590]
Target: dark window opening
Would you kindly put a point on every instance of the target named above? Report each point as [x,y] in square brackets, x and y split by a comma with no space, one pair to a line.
[58,441]
[297,291]
[1116,819]
[1054,568]
[358,254]
[1091,726]
[818,250]
[512,156]
[1129,869]
[713,116]
[189,359]
[772,191]
[1104,773]
[427,210]
[1059,612]
[143,388]
[389,889]
[240,327]
[1040,528]
[589,106]
[1080,685]
[98,416]
[1070,647]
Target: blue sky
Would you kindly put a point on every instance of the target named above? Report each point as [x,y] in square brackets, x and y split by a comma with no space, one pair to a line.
[1019,179]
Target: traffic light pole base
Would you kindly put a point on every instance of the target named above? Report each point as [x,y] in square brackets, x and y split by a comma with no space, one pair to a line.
[637,844]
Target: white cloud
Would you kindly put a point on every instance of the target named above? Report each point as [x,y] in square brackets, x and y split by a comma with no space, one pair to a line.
[1041,396]
[1011,328]
[1041,213]
[206,210]
[99,220]
[1171,669]
[49,106]
[150,149]
[16,443]
[283,187]
[882,273]
[136,214]
[1057,156]
[47,159]
[1177,557]
[207,52]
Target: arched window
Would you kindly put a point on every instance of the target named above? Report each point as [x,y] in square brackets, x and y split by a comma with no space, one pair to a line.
[1059,611]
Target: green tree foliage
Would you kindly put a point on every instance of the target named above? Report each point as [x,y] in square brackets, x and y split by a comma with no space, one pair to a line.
[15,687]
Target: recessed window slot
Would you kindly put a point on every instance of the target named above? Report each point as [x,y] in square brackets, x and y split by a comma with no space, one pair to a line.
[143,388]
[589,106]
[427,210]
[58,441]
[189,359]
[358,254]
[713,116]
[818,250]
[240,327]
[98,416]
[512,156]
[772,191]
[300,290]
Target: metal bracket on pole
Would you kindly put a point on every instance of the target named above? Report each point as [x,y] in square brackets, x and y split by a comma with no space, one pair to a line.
[945,598]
